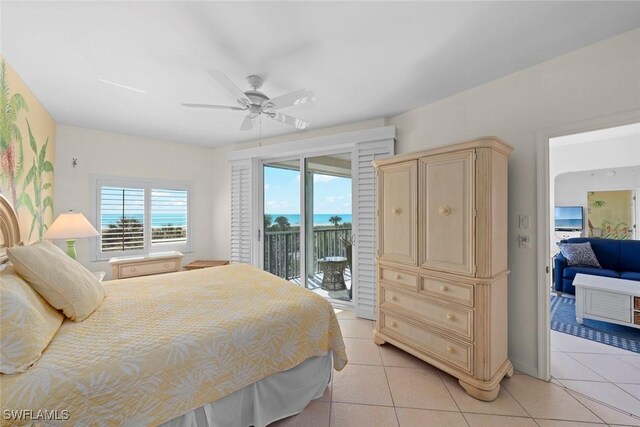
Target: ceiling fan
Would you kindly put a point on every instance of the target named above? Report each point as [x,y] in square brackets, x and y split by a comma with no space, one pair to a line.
[257,103]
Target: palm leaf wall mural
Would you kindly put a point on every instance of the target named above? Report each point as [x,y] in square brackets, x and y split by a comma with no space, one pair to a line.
[37,205]
[11,151]
[27,152]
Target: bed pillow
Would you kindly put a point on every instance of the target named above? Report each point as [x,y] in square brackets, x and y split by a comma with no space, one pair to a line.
[579,254]
[27,323]
[60,280]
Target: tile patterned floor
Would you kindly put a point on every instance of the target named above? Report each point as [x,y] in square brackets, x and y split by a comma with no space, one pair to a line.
[384,386]
[597,371]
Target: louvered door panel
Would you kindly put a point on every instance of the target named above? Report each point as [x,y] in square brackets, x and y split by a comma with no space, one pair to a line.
[364,214]
[241,226]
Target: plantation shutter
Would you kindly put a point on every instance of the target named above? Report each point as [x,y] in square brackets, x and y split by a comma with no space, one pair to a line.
[241,200]
[364,214]
[121,219]
[169,216]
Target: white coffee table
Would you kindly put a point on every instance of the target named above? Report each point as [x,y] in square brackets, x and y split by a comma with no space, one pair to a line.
[607,299]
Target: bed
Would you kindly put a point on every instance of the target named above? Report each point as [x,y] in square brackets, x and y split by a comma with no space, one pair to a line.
[224,346]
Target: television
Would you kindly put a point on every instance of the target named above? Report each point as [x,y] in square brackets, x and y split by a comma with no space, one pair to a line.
[569,218]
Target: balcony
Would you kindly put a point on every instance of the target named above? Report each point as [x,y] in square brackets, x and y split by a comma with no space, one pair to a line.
[282,256]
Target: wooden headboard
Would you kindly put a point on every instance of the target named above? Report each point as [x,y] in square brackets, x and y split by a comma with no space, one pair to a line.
[9,228]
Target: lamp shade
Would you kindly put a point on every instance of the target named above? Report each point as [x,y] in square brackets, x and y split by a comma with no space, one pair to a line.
[70,225]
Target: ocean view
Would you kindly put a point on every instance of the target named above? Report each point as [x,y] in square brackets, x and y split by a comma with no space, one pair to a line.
[318,219]
[158,220]
[177,220]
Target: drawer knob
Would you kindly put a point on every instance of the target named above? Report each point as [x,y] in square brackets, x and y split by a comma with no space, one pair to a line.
[166,265]
[444,288]
[451,316]
[393,324]
[396,211]
[451,349]
[132,269]
[444,210]
[398,277]
[394,298]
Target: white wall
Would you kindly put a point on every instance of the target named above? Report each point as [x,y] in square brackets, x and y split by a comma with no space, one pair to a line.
[104,153]
[595,81]
[602,154]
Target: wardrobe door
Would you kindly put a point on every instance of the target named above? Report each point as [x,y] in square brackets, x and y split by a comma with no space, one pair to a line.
[446,186]
[397,212]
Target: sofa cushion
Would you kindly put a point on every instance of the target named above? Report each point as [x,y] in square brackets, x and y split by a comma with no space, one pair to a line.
[630,275]
[607,250]
[579,254]
[630,255]
[570,272]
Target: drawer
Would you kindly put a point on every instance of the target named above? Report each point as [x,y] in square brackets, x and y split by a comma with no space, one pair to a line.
[448,351]
[458,292]
[401,278]
[455,320]
[147,268]
[636,317]
[636,303]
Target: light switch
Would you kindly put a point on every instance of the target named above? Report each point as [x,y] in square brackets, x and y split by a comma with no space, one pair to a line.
[524,241]
[523,221]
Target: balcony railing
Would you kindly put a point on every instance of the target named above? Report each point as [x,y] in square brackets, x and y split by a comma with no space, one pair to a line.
[282,249]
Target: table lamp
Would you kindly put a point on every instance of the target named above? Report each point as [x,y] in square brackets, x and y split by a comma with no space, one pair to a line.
[70,226]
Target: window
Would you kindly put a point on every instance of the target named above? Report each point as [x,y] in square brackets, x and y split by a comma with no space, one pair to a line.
[140,217]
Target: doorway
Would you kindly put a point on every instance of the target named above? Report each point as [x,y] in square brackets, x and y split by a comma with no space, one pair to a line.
[307,222]
[590,159]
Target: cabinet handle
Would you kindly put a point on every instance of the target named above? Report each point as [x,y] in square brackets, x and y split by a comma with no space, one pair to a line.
[394,324]
[397,211]
[166,265]
[444,210]
[398,277]
[451,316]
[451,349]
[132,269]
[394,298]
[444,288]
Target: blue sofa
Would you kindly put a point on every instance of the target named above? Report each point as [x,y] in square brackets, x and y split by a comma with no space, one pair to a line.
[618,258]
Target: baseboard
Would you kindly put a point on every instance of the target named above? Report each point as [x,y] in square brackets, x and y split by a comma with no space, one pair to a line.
[525,368]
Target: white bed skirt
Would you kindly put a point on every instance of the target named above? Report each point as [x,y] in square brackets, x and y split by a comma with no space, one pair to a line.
[270,399]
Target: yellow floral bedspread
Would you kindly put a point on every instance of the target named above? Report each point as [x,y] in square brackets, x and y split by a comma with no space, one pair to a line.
[161,346]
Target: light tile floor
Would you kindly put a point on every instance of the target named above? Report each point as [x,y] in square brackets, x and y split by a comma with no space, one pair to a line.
[597,371]
[383,386]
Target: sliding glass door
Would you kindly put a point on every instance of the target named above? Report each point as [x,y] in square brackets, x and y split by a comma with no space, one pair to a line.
[307,229]
[328,239]
[282,219]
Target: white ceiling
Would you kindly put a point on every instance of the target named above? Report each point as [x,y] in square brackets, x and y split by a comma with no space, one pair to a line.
[363,60]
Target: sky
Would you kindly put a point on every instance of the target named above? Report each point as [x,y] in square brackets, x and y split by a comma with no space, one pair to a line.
[332,194]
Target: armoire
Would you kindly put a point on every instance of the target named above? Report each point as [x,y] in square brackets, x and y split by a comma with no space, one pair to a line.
[442,260]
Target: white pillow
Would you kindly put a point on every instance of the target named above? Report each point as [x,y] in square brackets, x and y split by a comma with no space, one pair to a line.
[27,323]
[60,280]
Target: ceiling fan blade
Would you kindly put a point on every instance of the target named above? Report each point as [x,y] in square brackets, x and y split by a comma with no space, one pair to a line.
[291,121]
[294,98]
[219,107]
[230,86]
[247,123]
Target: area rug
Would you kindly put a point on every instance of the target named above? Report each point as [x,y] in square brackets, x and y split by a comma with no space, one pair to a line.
[563,319]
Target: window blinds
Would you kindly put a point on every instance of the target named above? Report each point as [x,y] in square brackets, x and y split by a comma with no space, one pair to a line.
[122,218]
